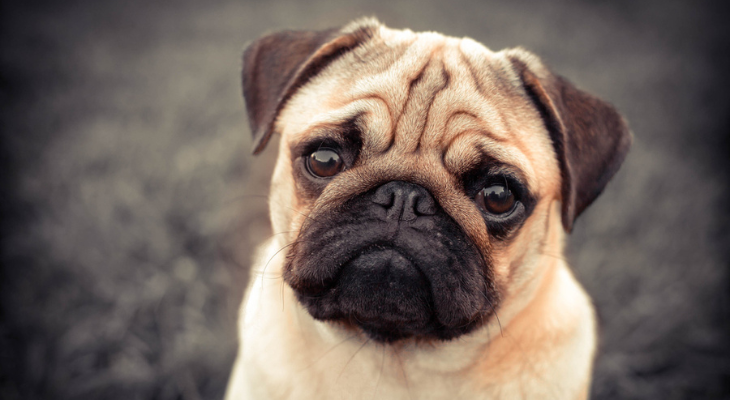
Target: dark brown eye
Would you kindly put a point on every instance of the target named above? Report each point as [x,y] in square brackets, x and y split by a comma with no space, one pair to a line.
[324,163]
[496,199]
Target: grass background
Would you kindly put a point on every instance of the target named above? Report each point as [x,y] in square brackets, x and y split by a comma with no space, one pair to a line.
[130,201]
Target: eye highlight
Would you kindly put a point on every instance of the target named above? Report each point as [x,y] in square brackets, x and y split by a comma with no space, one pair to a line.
[324,163]
[496,199]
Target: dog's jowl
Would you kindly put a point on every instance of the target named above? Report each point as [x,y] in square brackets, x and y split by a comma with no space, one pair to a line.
[423,189]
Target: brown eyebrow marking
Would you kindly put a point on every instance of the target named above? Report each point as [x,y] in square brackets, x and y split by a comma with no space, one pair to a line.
[337,129]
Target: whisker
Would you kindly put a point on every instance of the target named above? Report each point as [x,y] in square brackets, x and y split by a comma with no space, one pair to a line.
[263,271]
[405,376]
[494,309]
[380,375]
[351,358]
[501,333]
[328,351]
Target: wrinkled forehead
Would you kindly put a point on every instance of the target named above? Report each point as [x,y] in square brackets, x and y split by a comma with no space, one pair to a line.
[424,93]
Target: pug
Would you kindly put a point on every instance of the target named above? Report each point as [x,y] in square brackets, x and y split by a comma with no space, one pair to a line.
[420,202]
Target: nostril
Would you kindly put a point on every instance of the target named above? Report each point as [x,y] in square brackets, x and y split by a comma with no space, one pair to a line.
[404,201]
[426,206]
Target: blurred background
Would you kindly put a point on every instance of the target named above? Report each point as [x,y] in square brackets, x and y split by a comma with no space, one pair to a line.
[131,203]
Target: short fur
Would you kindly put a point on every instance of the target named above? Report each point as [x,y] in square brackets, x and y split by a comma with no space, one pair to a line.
[387,280]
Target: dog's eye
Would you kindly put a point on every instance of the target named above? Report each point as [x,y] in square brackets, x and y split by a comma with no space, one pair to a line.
[496,199]
[324,163]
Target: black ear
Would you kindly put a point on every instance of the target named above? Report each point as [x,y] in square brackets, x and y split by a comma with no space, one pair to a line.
[590,138]
[275,66]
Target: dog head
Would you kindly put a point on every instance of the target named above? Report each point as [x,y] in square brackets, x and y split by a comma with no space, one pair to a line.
[420,177]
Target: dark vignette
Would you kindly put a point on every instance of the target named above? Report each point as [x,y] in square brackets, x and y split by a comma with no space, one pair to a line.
[77,320]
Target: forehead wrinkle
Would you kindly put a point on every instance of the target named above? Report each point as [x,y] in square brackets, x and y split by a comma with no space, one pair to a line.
[488,74]
[462,97]
[471,148]
[375,126]
[516,119]
[392,83]
[460,156]
[521,123]
[411,126]
[479,80]
[488,66]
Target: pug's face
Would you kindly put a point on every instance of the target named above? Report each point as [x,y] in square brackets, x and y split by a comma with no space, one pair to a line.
[418,178]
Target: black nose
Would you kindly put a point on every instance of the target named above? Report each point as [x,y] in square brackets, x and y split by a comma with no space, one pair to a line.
[405,201]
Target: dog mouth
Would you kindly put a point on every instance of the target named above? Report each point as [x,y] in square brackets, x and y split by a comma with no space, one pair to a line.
[393,292]
[423,279]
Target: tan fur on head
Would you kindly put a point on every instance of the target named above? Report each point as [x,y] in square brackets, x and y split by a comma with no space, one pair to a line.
[426,109]
[467,115]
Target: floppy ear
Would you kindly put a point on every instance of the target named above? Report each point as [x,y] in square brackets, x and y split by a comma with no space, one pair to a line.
[590,138]
[275,66]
